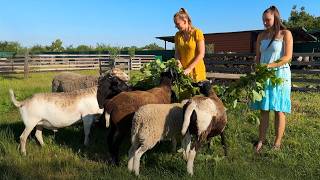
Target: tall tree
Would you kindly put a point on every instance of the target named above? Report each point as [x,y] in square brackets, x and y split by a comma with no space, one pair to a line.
[301,18]
[56,46]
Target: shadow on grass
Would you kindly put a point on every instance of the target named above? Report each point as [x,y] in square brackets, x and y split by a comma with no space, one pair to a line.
[11,77]
[71,137]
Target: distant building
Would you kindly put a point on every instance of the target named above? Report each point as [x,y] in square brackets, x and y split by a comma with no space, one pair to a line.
[245,41]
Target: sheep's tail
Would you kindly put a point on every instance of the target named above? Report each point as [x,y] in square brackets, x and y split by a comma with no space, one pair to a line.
[189,108]
[108,108]
[136,128]
[14,100]
[107,117]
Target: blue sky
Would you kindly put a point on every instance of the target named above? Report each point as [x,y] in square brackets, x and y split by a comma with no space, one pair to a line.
[128,22]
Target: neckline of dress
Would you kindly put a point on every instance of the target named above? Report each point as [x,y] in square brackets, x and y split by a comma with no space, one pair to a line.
[271,39]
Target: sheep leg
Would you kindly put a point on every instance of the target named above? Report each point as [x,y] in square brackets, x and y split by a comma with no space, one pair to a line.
[110,141]
[139,152]
[23,139]
[115,146]
[132,150]
[87,123]
[192,155]
[39,135]
[223,143]
[174,144]
[186,143]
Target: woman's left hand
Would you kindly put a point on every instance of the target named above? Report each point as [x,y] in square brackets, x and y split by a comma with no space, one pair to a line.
[187,71]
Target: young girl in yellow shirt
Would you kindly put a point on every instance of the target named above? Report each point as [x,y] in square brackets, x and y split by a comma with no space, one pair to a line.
[189,47]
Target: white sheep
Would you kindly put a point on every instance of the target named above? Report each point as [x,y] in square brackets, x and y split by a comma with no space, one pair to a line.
[152,123]
[57,110]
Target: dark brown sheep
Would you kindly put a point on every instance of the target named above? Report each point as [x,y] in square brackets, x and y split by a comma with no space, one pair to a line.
[120,109]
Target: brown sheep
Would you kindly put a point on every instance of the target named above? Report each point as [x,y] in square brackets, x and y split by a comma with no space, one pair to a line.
[120,109]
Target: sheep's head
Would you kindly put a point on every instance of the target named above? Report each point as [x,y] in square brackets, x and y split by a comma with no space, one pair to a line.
[168,76]
[116,72]
[108,87]
[205,88]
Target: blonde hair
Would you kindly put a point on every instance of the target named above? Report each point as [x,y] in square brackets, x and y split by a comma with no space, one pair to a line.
[183,14]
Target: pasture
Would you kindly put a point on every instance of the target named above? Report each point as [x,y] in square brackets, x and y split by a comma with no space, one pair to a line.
[65,157]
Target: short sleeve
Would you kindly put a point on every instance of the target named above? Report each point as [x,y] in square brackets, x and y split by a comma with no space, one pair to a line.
[176,38]
[199,35]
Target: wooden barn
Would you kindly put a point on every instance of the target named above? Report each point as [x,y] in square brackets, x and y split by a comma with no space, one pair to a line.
[243,41]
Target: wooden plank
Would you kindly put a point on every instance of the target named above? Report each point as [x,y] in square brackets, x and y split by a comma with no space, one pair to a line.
[305,80]
[228,62]
[312,63]
[306,71]
[224,75]
[304,89]
[234,70]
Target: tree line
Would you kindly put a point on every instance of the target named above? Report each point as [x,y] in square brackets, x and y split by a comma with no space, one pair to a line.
[57,46]
[298,18]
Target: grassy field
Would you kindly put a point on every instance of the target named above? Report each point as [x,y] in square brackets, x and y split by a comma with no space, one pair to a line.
[64,156]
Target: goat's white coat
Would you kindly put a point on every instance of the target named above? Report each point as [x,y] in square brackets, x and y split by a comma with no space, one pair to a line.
[57,110]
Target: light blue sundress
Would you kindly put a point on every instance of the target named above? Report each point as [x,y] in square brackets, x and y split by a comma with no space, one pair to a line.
[277,98]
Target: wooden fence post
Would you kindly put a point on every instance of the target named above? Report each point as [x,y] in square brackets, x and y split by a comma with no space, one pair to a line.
[26,64]
[100,68]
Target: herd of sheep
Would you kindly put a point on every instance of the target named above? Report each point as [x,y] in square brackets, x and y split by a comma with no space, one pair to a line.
[146,116]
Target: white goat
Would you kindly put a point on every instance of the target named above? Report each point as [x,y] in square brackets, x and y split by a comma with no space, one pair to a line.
[57,110]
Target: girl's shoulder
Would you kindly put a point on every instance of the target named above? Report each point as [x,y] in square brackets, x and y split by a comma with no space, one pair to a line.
[197,31]
[285,33]
[198,34]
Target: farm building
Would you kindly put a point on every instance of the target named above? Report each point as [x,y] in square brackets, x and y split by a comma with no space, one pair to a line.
[245,41]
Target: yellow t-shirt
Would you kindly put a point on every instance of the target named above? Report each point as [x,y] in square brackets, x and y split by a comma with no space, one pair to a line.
[187,52]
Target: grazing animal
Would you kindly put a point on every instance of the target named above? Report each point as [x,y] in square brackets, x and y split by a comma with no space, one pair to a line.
[151,124]
[204,118]
[70,81]
[57,110]
[120,109]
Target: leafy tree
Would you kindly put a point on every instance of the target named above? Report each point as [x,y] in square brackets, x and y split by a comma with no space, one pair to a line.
[70,48]
[10,46]
[132,51]
[38,49]
[56,46]
[152,46]
[84,48]
[301,18]
[114,52]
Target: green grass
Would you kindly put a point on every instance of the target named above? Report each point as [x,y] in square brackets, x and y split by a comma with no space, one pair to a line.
[64,156]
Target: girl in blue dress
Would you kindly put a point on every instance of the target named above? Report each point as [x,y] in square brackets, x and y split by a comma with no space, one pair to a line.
[274,48]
